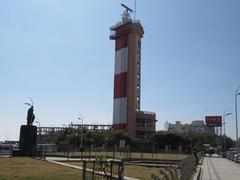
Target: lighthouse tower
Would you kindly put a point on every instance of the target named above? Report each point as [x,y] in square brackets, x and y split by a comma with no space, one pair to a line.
[127,116]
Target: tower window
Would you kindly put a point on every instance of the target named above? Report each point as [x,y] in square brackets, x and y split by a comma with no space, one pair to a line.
[138,76]
[138,98]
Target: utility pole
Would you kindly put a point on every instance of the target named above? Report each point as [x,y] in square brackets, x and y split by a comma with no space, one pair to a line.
[224,132]
[81,143]
[236,116]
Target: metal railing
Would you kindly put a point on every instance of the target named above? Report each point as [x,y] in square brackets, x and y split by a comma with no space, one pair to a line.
[125,154]
[183,171]
[187,167]
[170,173]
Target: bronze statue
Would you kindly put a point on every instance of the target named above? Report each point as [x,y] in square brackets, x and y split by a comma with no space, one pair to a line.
[30,115]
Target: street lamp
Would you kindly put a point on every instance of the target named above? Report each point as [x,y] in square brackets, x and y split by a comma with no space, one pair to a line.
[81,143]
[38,121]
[224,115]
[76,135]
[236,94]
[39,130]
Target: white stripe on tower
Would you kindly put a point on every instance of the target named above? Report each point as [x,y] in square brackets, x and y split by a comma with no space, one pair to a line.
[121,61]
[120,82]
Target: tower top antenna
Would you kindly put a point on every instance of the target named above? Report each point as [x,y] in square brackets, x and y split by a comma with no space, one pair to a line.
[126,7]
[126,16]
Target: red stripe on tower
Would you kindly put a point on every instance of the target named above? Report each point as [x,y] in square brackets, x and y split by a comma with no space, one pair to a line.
[120,83]
[121,42]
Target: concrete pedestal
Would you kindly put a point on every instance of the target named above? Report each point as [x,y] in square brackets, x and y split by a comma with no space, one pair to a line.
[28,137]
[27,141]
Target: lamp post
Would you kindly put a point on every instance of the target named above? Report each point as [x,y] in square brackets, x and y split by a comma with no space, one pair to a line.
[81,143]
[224,132]
[76,135]
[39,130]
[236,114]
[38,121]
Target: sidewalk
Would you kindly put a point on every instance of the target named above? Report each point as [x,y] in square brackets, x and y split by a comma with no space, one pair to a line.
[217,168]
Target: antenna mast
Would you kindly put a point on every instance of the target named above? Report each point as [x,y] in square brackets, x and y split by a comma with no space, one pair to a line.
[135,9]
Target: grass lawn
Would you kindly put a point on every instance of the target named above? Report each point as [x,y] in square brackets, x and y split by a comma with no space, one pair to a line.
[22,168]
[139,172]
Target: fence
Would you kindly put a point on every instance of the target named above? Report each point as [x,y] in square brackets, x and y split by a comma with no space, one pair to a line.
[187,167]
[114,153]
[182,166]
[5,149]
[110,170]
[183,171]
[170,173]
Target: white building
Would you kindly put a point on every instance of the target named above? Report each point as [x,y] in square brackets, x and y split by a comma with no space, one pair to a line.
[179,128]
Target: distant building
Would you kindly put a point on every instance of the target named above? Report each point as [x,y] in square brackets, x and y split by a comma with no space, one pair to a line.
[179,128]
[195,126]
[11,142]
[210,129]
[198,126]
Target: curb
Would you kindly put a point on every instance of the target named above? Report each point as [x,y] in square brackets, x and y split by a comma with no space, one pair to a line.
[199,176]
[199,173]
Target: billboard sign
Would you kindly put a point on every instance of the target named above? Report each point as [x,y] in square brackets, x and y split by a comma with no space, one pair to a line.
[213,121]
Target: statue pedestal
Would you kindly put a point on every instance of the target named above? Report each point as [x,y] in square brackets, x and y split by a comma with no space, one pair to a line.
[27,141]
[28,137]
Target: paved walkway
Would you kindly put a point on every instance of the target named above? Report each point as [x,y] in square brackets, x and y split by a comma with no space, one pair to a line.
[4,156]
[215,168]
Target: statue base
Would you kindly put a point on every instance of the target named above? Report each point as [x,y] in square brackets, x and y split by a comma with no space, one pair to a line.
[27,141]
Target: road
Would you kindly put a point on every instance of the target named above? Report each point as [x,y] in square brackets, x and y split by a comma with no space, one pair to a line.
[217,168]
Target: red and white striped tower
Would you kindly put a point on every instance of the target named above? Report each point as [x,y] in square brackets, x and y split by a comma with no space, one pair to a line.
[127,35]
[120,83]
[127,116]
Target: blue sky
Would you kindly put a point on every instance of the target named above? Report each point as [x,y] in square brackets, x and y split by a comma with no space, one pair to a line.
[58,53]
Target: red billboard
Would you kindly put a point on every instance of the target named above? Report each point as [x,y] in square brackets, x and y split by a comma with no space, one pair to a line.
[213,121]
